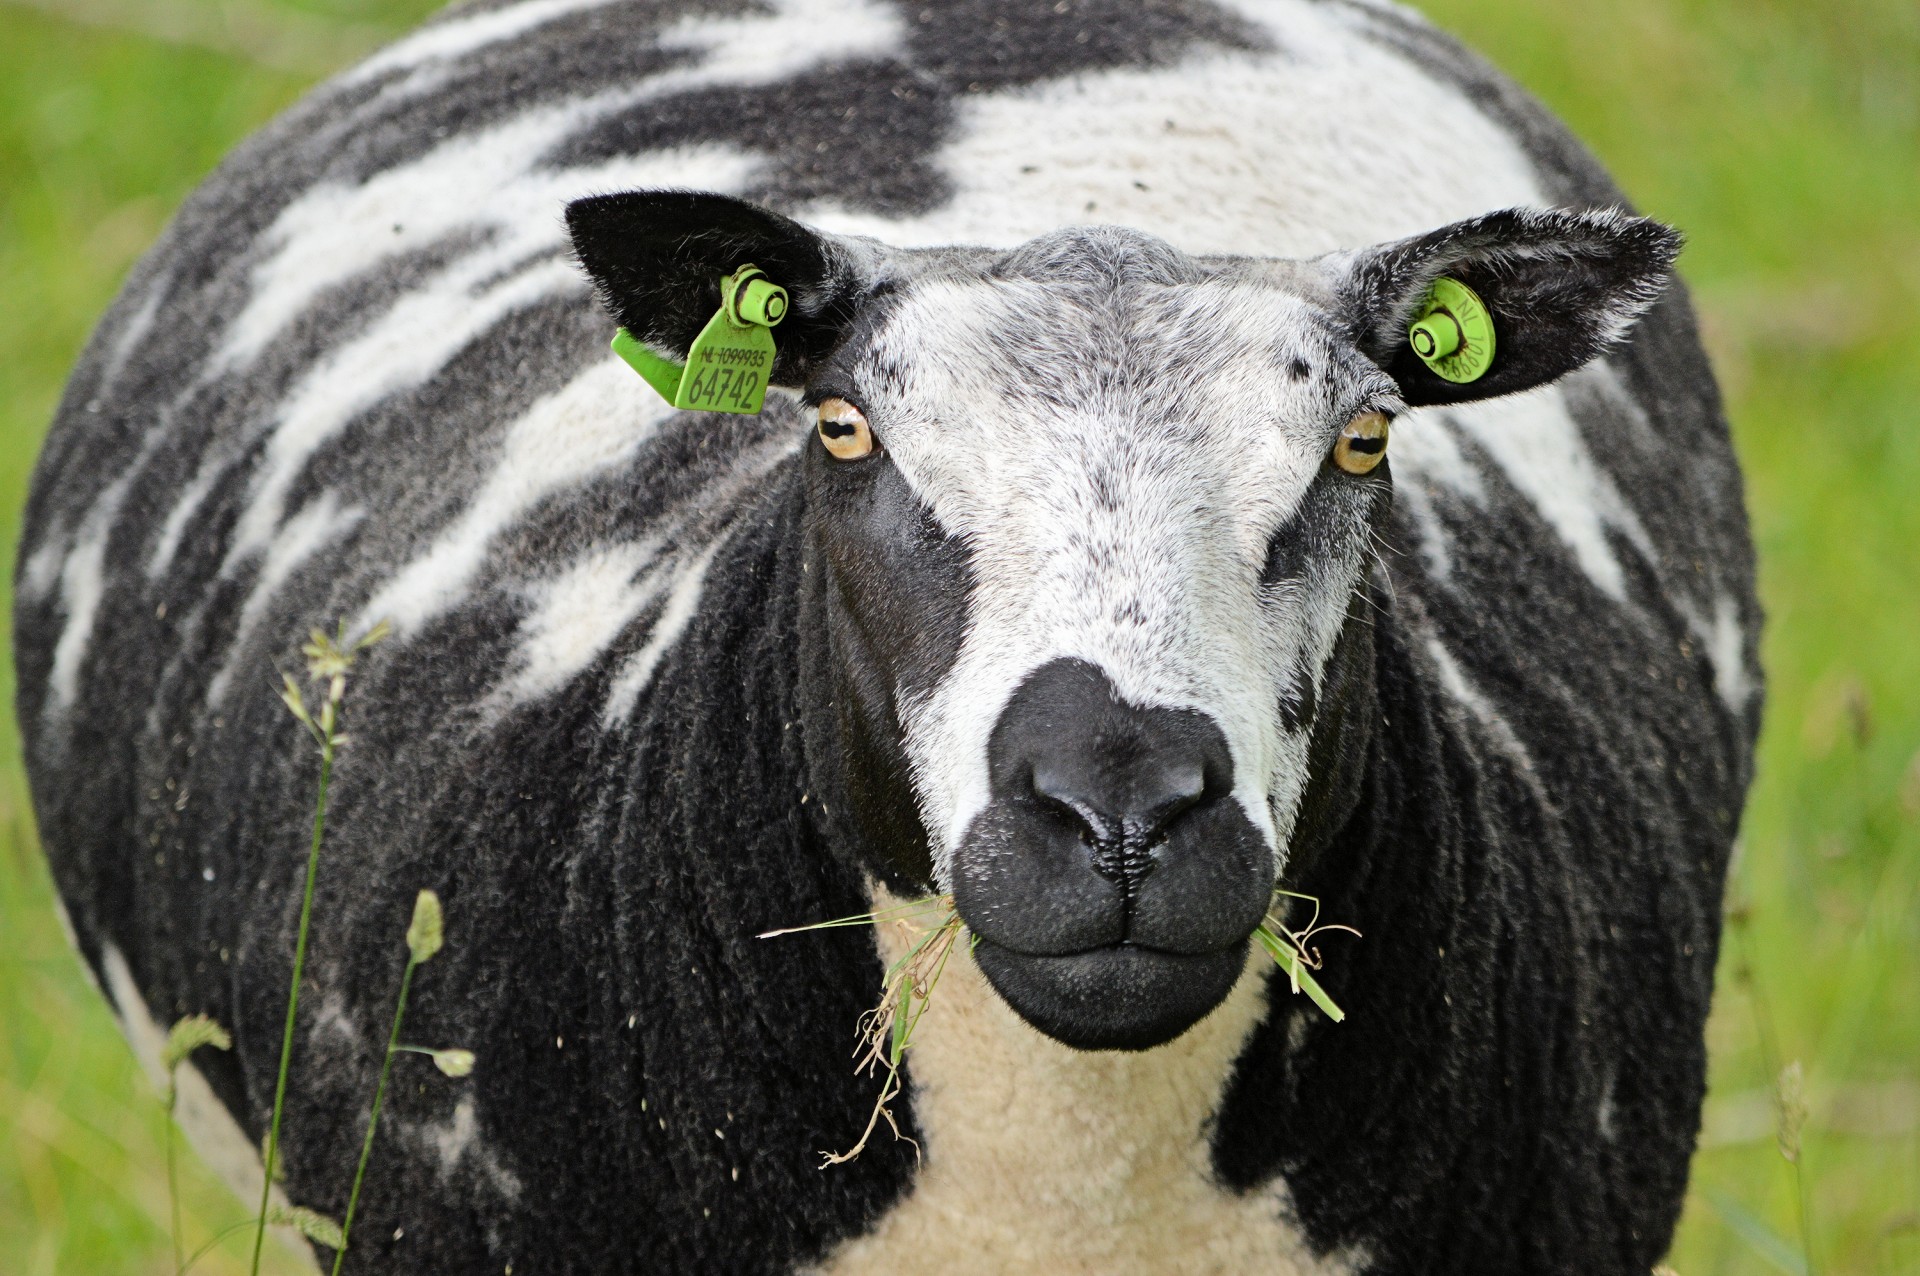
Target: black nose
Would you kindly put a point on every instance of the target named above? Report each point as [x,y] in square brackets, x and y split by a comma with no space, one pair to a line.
[1112,880]
[1122,788]
[1110,822]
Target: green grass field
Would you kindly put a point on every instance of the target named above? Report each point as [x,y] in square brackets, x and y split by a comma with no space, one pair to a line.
[1782,135]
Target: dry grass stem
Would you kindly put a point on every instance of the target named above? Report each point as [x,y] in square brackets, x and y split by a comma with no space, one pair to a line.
[885,1033]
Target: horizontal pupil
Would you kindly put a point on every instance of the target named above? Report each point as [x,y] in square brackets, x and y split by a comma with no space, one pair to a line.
[1356,443]
[837,429]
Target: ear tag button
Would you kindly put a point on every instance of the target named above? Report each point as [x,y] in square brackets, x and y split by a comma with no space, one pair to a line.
[728,363]
[1452,331]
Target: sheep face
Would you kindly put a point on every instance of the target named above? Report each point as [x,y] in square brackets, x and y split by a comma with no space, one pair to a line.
[1088,529]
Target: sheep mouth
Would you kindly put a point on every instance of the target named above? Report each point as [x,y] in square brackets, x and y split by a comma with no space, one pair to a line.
[1119,997]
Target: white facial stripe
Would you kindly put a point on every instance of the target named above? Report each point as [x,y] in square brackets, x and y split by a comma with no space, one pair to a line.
[1117,476]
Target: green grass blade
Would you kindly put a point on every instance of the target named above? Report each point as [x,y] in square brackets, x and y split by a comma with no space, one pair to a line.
[1759,1238]
[1297,971]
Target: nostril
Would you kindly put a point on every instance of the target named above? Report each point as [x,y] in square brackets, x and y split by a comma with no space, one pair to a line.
[1114,812]
[1068,798]
[1180,788]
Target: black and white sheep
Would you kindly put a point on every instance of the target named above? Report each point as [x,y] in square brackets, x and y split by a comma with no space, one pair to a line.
[1091,624]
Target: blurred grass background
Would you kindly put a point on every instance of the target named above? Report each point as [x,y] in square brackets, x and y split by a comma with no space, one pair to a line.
[1782,135]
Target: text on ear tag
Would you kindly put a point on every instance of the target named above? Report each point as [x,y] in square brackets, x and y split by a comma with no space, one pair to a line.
[729,362]
[1452,331]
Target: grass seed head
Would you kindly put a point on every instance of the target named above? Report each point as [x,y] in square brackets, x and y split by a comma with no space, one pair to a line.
[455,1063]
[189,1035]
[311,1224]
[1791,1099]
[426,933]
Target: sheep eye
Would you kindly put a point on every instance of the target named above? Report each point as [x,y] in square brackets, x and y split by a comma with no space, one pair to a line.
[844,431]
[1362,444]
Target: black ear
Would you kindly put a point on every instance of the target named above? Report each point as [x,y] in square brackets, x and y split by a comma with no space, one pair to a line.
[1562,287]
[657,257]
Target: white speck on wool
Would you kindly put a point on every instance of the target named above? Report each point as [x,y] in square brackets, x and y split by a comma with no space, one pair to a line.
[596,421]
[319,523]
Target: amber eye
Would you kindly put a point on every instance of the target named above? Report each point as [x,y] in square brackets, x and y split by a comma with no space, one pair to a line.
[1362,444]
[843,428]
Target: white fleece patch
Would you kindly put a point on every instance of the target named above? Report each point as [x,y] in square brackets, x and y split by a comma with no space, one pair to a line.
[1430,466]
[82,588]
[683,590]
[137,327]
[1314,153]
[457,1144]
[1538,446]
[487,198]
[1456,683]
[451,39]
[320,523]
[595,422]
[777,39]
[579,613]
[1037,1158]
[1725,642]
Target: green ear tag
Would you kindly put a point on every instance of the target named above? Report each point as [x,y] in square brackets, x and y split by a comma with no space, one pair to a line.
[1452,331]
[728,363]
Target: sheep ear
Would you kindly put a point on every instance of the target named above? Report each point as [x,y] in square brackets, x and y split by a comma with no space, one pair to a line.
[1559,288]
[657,258]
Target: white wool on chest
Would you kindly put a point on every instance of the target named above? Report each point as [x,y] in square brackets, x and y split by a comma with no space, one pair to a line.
[1038,1158]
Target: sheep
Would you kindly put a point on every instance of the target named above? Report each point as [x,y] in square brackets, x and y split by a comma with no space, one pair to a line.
[1105,555]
